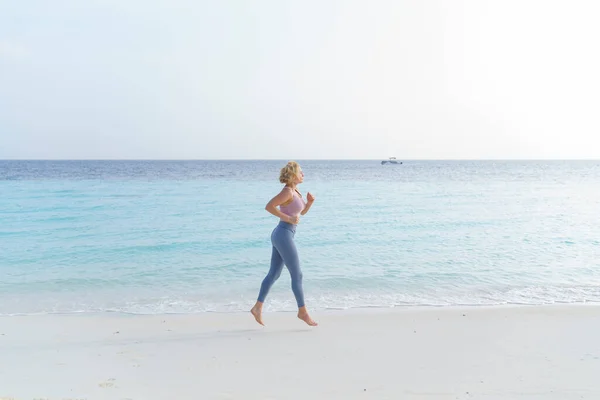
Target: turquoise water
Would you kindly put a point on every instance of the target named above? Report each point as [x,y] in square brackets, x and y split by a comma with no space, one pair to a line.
[175,237]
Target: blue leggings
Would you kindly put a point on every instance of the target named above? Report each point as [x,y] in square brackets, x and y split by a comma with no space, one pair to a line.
[284,252]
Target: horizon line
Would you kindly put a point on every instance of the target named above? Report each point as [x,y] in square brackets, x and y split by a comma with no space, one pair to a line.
[299,159]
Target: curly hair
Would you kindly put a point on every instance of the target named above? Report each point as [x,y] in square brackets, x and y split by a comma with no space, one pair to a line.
[289,172]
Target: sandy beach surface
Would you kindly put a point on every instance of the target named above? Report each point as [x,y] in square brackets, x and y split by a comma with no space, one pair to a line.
[539,352]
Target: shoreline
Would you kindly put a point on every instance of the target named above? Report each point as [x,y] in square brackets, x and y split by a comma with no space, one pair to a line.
[320,311]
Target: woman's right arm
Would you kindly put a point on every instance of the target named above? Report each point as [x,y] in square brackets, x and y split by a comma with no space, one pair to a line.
[284,196]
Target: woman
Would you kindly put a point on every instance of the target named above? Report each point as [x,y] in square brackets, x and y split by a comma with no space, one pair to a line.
[291,205]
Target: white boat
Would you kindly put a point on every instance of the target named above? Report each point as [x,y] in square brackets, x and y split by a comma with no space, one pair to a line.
[391,160]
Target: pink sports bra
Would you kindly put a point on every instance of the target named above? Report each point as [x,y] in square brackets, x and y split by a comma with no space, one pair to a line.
[295,207]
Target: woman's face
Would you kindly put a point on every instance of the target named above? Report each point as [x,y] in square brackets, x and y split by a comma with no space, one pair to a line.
[299,176]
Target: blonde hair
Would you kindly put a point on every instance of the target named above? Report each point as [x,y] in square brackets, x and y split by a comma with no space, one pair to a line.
[289,172]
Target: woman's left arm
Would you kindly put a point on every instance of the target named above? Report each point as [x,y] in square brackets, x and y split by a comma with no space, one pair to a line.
[310,200]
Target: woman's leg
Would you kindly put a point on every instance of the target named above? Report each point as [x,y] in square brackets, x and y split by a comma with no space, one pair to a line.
[268,281]
[284,243]
[289,253]
[272,276]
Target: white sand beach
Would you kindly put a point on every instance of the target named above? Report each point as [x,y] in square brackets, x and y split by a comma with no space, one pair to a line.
[549,352]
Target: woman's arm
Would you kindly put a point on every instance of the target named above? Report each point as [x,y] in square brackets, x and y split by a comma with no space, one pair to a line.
[309,203]
[283,197]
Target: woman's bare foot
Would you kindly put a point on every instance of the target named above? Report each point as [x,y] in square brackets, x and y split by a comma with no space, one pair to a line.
[257,312]
[303,315]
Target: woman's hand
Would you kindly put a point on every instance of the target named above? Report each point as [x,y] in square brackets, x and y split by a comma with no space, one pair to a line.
[310,200]
[294,219]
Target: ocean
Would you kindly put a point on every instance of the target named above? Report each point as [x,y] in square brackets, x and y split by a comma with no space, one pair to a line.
[151,237]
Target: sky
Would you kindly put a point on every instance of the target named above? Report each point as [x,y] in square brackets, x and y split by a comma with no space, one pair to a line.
[310,79]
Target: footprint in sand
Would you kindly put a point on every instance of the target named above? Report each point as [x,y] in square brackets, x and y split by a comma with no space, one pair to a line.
[108,384]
